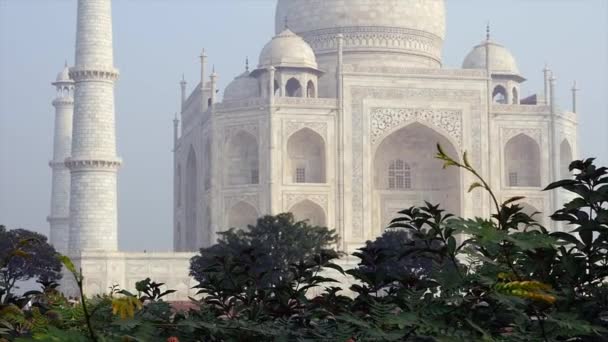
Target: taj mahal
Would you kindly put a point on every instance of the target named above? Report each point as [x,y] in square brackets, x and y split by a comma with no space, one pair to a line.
[337,122]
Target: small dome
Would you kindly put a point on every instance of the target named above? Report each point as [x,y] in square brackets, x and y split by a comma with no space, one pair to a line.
[242,87]
[501,59]
[64,75]
[287,49]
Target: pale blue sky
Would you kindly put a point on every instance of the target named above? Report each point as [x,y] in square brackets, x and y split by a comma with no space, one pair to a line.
[158,40]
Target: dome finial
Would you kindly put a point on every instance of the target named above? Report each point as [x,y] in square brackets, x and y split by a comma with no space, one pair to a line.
[286,23]
[247,63]
[66,63]
[488,31]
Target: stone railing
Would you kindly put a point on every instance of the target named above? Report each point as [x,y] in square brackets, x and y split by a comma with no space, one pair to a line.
[246,103]
[303,101]
[520,109]
[379,69]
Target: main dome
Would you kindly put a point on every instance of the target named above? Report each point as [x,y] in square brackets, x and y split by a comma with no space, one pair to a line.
[426,16]
[399,33]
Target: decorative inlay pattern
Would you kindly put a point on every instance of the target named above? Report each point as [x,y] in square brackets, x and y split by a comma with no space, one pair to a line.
[510,132]
[294,126]
[230,201]
[383,120]
[291,199]
[377,37]
[358,94]
[250,127]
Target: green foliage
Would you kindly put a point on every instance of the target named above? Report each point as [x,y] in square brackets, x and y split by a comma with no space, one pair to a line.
[431,277]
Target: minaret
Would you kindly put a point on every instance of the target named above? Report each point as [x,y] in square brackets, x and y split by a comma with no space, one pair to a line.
[93,164]
[62,141]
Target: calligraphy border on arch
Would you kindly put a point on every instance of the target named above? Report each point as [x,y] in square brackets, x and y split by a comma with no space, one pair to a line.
[360,94]
[383,120]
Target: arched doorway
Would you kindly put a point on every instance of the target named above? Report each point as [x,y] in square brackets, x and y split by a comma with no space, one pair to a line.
[241,215]
[310,211]
[522,162]
[306,152]
[406,173]
[191,202]
[243,160]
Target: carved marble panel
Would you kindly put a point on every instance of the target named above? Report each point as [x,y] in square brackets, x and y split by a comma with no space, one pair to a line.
[383,120]
[294,126]
[291,199]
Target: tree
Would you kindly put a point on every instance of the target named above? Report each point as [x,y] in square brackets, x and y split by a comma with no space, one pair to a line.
[267,268]
[25,255]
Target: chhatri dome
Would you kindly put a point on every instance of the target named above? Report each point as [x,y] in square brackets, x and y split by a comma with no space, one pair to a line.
[64,75]
[501,59]
[287,49]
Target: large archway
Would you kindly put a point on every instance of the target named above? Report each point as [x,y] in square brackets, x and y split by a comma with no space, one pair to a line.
[309,211]
[191,202]
[241,215]
[306,157]
[406,173]
[522,162]
[243,160]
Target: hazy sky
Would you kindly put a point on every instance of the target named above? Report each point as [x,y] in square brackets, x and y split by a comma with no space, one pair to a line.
[155,41]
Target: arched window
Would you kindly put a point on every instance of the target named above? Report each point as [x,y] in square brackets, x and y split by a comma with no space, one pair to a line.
[191,202]
[242,215]
[565,158]
[399,175]
[515,96]
[178,186]
[277,88]
[243,160]
[209,102]
[310,211]
[522,162]
[499,95]
[306,152]
[310,89]
[293,88]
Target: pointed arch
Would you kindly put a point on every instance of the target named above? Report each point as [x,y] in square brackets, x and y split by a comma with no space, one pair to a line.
[306,157]
[522,162]
[191,201]
[242,215]
[310,211]
[243,159]
[293,88]
[499,95]
[565,158]
[178,186]
[515,96]
[311,89]
[406,173]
